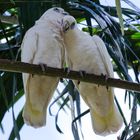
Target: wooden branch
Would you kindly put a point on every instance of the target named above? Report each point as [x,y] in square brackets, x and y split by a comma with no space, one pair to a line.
[19,67]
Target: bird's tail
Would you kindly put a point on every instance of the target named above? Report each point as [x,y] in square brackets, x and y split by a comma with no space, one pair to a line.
[105,125]
[39,91]
[34,117]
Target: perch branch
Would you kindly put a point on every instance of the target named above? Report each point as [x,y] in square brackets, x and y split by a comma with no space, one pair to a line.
[19,67]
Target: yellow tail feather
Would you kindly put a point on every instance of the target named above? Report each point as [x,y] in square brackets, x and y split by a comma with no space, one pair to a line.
[104,125]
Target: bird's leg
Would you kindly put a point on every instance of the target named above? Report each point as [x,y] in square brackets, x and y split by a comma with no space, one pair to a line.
[43,67]
[67,70]
[82,74]
[105,78]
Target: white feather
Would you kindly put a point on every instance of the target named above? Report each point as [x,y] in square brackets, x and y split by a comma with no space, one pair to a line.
[89,54]
[42,44]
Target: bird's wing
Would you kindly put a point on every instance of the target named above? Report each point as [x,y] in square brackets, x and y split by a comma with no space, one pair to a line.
[103,55]
[39,46]
[28,50]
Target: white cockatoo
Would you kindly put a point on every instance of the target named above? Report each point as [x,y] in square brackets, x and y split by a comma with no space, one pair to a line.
[42,44]
[89,54]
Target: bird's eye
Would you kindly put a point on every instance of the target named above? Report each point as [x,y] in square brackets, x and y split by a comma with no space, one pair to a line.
[56,9]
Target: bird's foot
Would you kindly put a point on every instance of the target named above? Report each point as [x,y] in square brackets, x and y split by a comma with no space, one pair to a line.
[105,78]
[82,73]
[43,67]
[67,70]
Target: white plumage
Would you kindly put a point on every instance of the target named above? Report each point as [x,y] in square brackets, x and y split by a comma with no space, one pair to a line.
[89,54]
[42,44]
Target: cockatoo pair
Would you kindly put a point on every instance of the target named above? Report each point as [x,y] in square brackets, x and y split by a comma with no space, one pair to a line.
[54,36]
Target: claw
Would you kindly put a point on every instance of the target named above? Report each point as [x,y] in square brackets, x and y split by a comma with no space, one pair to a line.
[43,67]
[67,70]
[82,73]
[106,78]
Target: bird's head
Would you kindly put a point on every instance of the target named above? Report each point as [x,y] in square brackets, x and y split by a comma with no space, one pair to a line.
[68,23]
[58,10]
[54,13]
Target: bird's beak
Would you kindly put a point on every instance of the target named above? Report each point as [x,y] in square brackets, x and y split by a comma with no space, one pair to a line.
[65,26]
